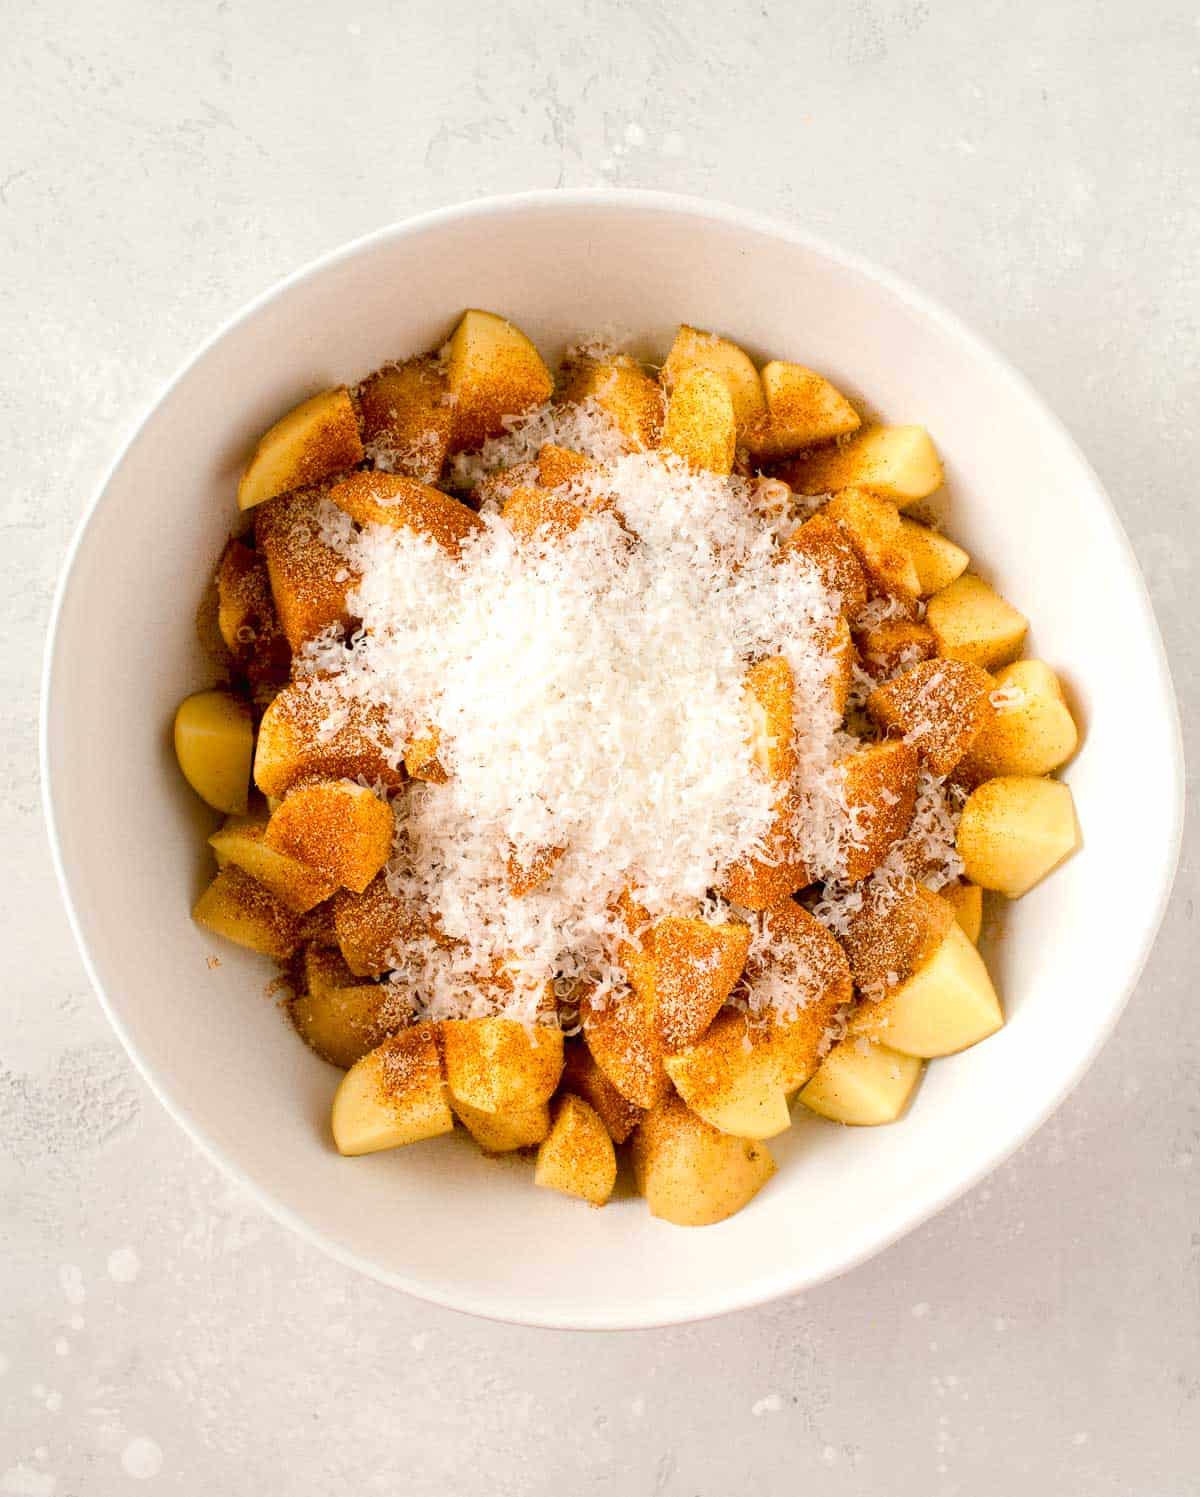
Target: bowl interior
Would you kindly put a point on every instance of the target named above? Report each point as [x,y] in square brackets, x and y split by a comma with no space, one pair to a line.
[439,1220]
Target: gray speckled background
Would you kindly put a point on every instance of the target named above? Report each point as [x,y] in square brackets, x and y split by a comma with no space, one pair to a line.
[1038,167]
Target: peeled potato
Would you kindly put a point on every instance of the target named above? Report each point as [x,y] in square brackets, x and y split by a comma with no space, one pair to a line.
[405,504]
[966,900]
[338,828]
[1016,829]
[731,1077]
[240,842]
[691,1174]
[577,1156]
[700,425]
[497,1064]
[503,1132]
[972,622]
[582,1076]
[947,1005]
[395,1095]
[872,526]
[694,349]
[342,1017]
[406,417]
[1031,730]
[214,743]
[899,462]
[241,910]
[628,396]
[862,1083]
[938,561]
[316,438]
[803,409]
[493,371]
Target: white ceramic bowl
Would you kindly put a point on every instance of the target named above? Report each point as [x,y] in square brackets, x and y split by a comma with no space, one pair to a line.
[438,1220]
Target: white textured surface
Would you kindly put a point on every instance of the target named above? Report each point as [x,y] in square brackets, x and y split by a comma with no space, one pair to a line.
[1035,166]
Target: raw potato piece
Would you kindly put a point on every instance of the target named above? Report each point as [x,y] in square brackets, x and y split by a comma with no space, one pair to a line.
[804,409]
[940,706]
[880,782]
[731,1078]
[247,619]
[556,466]
[938,561]
[295,743]
[214,744]
[371,924]
[406,417]
[629,397]
[498,1065]
[404,504]
[700,426]
[240,842]
[692,1175]
[236,907]
[625,1045]
[1032,730]
[895,645]
[966,900]
[492,371]
[341,1018]
[503,1132]
[758,883]
[899,462]
[972,622]
[525,874]
[696,966]
[892,935]
[317,438]
[770,689]
[872,526]
[421,758]
[393,1096]
[863,1083]
[1014,830]
[577,1155]
[693,349]
[339,829]
[529,512]
[947,1005]
[584,1078]
[824,543]
[310,581]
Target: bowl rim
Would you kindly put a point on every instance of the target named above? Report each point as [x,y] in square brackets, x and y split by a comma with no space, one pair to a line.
[754,1291]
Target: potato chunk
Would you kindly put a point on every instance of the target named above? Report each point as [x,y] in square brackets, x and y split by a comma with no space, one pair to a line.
[584,1078]
[972,622]
[310,581]
[530,512]
[421,758]
[731,1077]
[1015,830]
[342,831]
[947,1005]
[880,781]
[342,1018]
[691,1174]
[530,870]
[892,935]
[394,1095]
[559,465]
[503,1132]
[247,619]
[404,504]
[497,1064]
[940,706]
[577,1156]
[316,438]
[627,395]
[863,1083]
[214,743]
[406,416]
[895,645]
[966,900]
[696,966]
[938,561]
[803,408]
[899,462]
[1031,731]
[241,910]
[294,743]
[769,690]
[824,543]
[758,883]
[625,1045]
[372,924]
[492,371]
[700,426]
[240,843]
[872,526]
[696,350]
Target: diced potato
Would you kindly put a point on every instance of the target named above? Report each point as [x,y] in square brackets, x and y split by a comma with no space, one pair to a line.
[823,542]
[394,1095]
[947,1005]
[938,561]
[342,1018]
[769,692]
[246,616]
[497,1065]
[966,900]
[577,1155]
[862,1083]
[700,426]
[872,526]
[341,830]
[696,966]
[1031,731]
[893,934]
[404,504]
[406,416]
[940,706]
[214,744]
[693,349]
[559,465]
[370,926]
[503,1132]
[1015,830]
[583,1078]
[894,645]
[493,371]
[240,843]
[495,487]
[690,1173]
[803,409]
[972,622]
[627,395]
[758,883]
[236,907]
[316,438]
[899,462]
[530,871]
[838,646]
[295,744]
[880,782]
[421,758]
[625,1045]
[529,512]
[731,1078]
[310,581]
